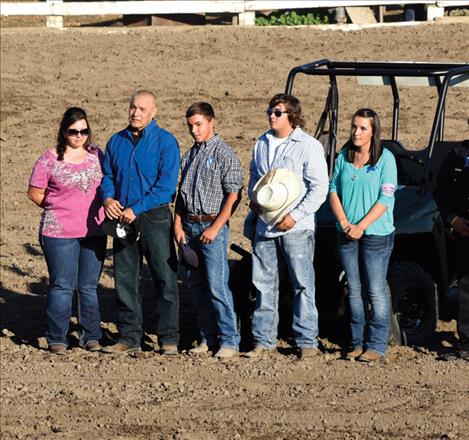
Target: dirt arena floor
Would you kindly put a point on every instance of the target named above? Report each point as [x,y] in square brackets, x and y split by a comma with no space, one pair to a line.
[411,395]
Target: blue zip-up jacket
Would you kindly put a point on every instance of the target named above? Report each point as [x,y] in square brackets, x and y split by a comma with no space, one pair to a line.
[143,176]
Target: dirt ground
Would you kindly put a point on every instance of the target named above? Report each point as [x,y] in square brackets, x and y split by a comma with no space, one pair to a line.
[83,396]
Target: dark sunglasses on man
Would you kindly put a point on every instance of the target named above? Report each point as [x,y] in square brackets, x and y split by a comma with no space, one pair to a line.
[276,112]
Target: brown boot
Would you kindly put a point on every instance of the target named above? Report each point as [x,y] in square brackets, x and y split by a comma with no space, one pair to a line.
[169,350]
[59,349]
[309,353]
[93,346]
[352,355]
[257,351]
[226,352]
[369,357]
[120,348]
[199,350]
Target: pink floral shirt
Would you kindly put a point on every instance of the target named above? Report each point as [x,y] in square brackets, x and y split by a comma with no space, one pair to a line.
[72,206]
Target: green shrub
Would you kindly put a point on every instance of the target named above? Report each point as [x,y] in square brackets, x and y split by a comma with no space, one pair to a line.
[291,19]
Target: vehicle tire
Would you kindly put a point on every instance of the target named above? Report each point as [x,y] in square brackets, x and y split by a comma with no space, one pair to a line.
[415,301]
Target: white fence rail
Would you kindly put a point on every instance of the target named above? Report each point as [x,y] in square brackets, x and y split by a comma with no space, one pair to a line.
[246,9]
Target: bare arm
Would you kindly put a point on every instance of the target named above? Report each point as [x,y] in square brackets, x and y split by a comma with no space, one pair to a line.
[37,195]
[356,231]
[461,226]
[229,206]
[338,211]
[373,214]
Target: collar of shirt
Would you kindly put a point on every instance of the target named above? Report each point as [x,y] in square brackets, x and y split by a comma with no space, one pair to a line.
[141,134]
[207,144]
[296,135]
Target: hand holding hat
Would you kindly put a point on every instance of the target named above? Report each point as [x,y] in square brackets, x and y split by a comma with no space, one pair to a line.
[275,192]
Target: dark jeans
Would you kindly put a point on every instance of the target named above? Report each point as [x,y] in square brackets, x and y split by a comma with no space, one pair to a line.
[156,244]
[462,261]
[73,264]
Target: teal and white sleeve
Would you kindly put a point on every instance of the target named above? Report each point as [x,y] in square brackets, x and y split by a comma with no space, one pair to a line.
[388,181]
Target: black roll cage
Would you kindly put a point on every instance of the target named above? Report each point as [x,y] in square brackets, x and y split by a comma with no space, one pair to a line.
[440,75]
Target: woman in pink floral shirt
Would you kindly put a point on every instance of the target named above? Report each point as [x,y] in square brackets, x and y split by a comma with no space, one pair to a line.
[64,183]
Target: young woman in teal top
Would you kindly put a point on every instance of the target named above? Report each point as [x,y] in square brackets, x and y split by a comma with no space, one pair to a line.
[361,195]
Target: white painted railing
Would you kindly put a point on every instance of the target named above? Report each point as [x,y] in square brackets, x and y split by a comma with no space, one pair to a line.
[246,9]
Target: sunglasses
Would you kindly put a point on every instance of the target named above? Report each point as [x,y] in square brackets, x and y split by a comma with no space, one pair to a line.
[73,132]
[276,112]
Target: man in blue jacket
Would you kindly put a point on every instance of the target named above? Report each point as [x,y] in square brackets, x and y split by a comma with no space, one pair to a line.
[140,171]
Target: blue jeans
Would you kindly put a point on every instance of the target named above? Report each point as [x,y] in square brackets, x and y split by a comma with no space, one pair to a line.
[297,249]
[208,284]
[156,244]
[73,264]
[365,262]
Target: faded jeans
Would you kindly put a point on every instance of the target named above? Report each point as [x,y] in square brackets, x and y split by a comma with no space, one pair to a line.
[297,250]
[208,284]
[73,264]
[365,262]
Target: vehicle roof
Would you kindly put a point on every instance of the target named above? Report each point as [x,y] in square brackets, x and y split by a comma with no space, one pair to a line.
[393,68]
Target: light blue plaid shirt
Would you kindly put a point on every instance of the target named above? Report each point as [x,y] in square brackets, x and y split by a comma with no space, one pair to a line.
[304,155]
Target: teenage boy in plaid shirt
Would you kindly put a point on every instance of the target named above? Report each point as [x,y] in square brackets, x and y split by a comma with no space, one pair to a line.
[209,192]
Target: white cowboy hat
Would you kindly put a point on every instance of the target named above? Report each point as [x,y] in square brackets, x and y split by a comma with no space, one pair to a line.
[274,194]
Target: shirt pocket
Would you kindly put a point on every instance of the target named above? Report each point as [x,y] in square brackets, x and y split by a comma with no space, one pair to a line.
[290,164]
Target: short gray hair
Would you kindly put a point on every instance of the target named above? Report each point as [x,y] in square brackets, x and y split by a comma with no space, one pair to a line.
[143,93]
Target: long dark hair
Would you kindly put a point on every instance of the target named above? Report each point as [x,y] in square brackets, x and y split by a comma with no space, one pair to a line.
[292,106]
[375,148]
[72,115]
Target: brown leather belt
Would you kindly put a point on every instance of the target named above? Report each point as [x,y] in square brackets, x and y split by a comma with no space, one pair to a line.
[193,218]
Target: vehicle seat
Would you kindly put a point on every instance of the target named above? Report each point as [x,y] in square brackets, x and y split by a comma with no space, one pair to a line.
[409,162]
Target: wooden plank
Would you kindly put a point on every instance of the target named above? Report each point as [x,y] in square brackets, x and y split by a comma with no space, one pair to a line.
[360,15]
[448,3]
[25,8]
[124,8]
[267,5]
[194,6]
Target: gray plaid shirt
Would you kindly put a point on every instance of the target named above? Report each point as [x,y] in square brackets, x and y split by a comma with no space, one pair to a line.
[210,171]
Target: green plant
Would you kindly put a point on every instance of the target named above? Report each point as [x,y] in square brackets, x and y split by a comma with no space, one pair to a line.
[291,19]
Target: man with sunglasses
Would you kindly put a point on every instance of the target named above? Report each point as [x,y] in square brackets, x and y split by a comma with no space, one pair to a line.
[141,170]
[286,146]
